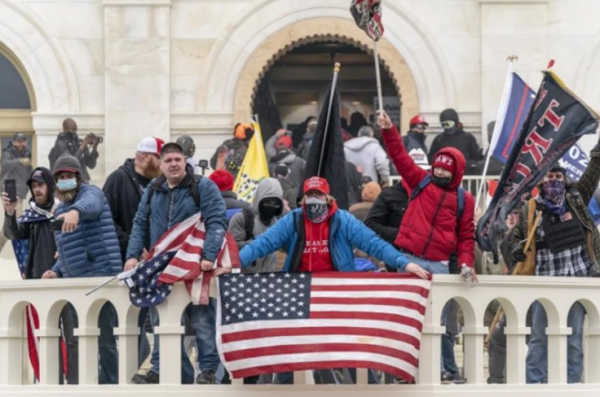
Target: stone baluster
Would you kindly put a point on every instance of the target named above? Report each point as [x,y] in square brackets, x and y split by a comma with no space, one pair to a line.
[170,354]
[557,354]
[128,352]
[473,360]
[11,357]
[88,355]
[48,354]
[516,351]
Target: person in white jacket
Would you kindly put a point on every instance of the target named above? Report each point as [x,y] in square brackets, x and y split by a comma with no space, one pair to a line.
[366,153]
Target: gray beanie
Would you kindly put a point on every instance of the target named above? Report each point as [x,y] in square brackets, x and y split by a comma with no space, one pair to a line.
[67,163]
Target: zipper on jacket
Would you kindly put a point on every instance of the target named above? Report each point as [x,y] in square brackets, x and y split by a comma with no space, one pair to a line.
[170,212]
[433,223]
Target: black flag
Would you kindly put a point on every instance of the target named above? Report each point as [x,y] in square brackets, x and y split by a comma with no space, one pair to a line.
[555,122]
[333,164]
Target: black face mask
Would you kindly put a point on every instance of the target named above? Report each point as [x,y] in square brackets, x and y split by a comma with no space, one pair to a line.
[441,182]
[268,209]
[450,131]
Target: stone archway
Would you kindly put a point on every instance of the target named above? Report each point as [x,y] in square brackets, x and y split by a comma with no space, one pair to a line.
[314,30]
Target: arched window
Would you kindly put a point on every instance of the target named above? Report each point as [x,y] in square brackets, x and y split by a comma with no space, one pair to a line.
[17,101]
[13,89]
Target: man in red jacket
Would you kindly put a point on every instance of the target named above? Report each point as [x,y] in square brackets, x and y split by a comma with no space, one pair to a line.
[431,229]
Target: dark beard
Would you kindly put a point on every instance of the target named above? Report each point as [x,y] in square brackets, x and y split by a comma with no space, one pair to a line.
[66,197]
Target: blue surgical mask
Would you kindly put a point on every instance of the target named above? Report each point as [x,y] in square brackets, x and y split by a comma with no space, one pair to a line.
[66,185]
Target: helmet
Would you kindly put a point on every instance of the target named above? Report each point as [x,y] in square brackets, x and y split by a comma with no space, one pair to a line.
[187,144]
[418,119]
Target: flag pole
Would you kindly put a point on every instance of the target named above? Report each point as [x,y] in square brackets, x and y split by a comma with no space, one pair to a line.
[336,71]
[501,113]
[378,74]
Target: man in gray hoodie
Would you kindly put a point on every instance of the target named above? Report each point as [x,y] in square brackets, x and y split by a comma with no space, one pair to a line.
[366,153]
[245,226]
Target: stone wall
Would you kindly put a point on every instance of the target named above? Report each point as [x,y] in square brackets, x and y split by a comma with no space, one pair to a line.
[127,69]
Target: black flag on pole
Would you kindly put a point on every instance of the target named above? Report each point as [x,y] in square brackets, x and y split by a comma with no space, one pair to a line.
[556,121]
[332,159]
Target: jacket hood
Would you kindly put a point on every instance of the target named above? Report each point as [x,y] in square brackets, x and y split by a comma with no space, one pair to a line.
[267,188]
[129,167]
[358,144]
[48,178]
[461,165]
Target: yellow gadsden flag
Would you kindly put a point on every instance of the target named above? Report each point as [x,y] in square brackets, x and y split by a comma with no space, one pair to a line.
[254,168]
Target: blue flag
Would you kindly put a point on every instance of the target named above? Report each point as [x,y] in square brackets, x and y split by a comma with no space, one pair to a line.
[520,99]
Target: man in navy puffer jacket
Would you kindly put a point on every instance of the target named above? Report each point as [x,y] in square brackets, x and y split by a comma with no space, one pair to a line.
[87,247]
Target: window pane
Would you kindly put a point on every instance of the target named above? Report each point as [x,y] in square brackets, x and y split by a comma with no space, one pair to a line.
[13,92]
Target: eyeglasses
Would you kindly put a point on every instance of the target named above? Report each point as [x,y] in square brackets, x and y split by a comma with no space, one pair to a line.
[448,124]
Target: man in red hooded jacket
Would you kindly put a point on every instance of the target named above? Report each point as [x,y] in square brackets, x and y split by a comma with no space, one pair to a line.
[431,229]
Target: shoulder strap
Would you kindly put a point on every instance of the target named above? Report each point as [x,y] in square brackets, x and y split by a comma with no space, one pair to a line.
[460,194]
[422,185]
[248,223]
[195,191]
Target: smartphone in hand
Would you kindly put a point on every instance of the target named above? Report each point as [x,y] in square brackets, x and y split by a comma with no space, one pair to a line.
[10,188]
[56,224]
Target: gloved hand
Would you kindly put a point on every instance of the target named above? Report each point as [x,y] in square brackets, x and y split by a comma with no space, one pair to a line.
[518,254]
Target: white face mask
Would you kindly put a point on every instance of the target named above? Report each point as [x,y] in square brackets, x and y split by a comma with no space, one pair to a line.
[65,185]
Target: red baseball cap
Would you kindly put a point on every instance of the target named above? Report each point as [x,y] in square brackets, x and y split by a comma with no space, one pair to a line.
[316,183]
[150,145]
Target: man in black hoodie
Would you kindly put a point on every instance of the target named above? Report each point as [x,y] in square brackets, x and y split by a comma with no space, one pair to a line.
[455,136]
[124,187]
[34,224]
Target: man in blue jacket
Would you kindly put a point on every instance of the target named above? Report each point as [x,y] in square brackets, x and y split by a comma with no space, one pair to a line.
[87,246]
[169,200]
[320,237]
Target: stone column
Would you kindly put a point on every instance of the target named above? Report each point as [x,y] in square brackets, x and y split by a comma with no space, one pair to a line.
[510,27]
[137,68]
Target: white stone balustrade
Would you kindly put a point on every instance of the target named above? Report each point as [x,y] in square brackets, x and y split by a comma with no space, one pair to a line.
[516,295]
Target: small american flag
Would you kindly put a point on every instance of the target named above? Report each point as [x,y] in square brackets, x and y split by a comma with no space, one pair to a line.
[176,257]
[279,322]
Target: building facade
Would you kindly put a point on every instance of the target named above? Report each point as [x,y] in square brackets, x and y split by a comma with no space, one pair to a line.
[127,69]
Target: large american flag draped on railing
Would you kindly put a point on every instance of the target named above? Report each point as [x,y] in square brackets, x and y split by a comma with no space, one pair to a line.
[278,322]
[176,257]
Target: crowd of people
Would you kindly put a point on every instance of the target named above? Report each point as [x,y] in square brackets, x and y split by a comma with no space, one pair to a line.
[423,225]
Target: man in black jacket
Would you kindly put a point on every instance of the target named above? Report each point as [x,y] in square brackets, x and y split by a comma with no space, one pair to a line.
[455,136]
[34,224]
[124,187]
[387,212]
[70,144]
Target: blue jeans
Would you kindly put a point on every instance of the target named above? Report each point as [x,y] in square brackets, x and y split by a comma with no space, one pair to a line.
[203,320]
[537,356]
[107,346]
[143,343]
[450,321]
[431,266]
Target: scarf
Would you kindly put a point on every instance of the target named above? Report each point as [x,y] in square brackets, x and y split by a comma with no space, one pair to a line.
[554,196]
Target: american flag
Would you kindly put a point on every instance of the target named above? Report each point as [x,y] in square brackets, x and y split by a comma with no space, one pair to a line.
[21,247]
[176,257]
[279,322]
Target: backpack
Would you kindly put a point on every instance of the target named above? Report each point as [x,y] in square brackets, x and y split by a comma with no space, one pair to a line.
[194,191]
[460,193]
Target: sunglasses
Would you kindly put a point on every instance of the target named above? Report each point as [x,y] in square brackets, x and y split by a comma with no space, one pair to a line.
[448,124]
